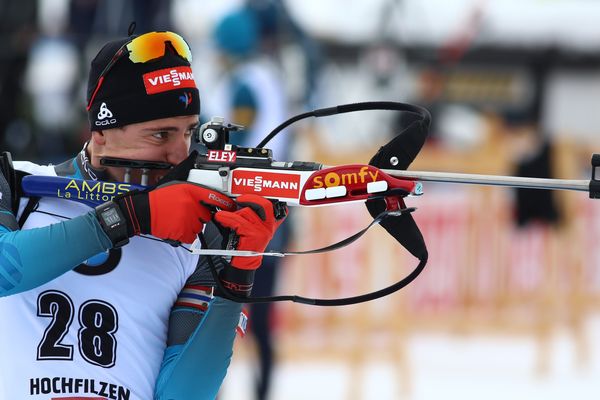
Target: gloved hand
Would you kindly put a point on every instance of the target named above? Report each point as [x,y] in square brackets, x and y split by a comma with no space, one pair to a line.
[174,211]
[254,224]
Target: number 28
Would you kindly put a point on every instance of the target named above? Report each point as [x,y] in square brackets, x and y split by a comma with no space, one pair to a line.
[98,322]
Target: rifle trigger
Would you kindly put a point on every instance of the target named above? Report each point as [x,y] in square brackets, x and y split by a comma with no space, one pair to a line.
[224,174]
[280,210]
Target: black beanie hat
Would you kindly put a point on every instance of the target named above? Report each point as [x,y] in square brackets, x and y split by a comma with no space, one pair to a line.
[137,92]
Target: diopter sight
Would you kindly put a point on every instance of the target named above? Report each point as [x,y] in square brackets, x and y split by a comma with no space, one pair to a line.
[215,133]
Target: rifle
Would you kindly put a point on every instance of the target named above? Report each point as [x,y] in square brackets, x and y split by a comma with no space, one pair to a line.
[382,184]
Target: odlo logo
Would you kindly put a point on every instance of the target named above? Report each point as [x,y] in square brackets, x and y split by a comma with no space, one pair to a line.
[103,115]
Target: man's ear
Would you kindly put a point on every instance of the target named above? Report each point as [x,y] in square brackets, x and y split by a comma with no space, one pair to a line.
[99,138]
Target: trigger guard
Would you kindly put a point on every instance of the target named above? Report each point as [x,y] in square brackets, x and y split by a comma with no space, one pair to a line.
[280,210]
[392,203]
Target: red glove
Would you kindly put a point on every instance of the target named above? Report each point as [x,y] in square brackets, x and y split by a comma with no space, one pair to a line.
[174,211]
[255,225]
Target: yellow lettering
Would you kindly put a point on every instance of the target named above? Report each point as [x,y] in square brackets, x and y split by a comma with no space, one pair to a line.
[318,181]
[348,178]
[332,179]
[374,175]
[109,188]
[362,173]
[72,185]
[86,186]
[123,187]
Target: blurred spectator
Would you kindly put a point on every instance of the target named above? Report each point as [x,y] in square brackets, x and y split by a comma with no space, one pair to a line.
[90,18]
[533,148]
[250,93]
[281,37]
[532,155]
[52,105]
[17,32]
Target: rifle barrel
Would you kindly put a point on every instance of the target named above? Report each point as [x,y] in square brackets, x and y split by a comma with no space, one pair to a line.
[494,180]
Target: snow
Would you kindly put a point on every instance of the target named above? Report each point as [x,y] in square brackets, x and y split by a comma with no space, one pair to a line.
[439,366]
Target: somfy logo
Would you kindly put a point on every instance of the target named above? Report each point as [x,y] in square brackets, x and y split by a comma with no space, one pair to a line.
[105,113]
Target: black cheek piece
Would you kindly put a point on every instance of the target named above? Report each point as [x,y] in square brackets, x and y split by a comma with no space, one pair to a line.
[403,148]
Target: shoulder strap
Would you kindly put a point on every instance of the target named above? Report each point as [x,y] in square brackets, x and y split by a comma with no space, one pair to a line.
[31,203]
[14,178]
[29,208]
[6,167]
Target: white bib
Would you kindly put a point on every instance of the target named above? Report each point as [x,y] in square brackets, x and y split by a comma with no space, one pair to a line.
[91,335]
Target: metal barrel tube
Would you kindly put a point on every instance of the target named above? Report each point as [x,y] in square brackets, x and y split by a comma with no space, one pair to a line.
[494,180]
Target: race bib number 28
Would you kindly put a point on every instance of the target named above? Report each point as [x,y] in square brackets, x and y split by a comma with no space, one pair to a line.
[98,322]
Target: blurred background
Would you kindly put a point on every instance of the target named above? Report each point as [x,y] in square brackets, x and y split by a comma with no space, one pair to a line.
[508,306]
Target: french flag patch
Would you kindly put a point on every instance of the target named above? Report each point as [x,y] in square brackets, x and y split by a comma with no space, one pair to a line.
[193,296]
[242,324]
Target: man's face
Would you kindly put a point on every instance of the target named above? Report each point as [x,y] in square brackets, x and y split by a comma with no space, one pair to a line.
[164,140]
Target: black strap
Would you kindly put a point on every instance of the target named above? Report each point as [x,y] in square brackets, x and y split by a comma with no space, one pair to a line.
[14,178]
[6,167]
[348,108]
[32,204]
[382,217]
[228,294]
